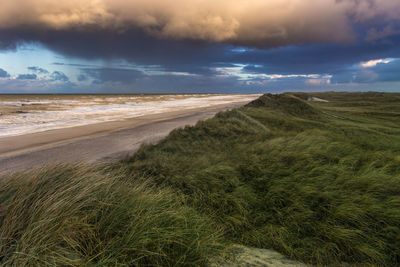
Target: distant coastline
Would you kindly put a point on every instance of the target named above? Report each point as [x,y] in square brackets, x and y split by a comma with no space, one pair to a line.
[24,114]
[93,142]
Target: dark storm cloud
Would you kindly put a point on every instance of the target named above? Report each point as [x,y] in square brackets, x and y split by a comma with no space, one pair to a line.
[199,38]
[4,74]
[190,84]
[27,77]
[38,70]
[381,72]
[74,65]
[388,72]
[133,45]
[197,57]
[82,78]
[316,58]
[59,76]
[102,75]
[136,82]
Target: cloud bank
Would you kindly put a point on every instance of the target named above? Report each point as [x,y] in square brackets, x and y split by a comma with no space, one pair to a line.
[256,23]
[4,74]
[201,45]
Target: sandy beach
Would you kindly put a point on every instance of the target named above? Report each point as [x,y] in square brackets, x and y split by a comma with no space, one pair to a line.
[105,141]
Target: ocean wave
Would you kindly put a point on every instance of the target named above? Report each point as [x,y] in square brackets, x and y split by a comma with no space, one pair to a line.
[90,110]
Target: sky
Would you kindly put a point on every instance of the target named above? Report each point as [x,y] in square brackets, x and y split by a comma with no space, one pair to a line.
[199,46]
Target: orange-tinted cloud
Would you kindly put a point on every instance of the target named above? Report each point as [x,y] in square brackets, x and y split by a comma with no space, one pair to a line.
[246,22]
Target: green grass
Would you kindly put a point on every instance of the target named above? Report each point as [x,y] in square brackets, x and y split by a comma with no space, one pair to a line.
[316,181]
[78,215]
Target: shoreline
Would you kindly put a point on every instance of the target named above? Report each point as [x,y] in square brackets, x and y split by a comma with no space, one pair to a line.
[105,141]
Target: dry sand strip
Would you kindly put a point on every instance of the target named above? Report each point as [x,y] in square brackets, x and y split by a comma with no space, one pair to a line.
[106,141]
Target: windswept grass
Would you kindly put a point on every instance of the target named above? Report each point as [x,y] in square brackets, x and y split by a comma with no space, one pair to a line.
[77,215]
[316,181]
[284,173]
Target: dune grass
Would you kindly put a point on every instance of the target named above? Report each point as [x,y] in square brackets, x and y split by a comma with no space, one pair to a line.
[316,181]
[78,215]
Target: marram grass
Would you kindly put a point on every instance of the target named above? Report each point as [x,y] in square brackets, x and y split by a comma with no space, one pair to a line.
[77,215]
[316,181]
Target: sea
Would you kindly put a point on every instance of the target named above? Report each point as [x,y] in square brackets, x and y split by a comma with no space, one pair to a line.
[24,114]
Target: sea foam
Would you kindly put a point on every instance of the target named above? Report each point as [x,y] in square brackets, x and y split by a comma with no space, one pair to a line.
[38,115]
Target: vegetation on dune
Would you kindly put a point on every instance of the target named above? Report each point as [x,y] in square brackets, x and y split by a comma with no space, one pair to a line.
[316,181]
[77,215]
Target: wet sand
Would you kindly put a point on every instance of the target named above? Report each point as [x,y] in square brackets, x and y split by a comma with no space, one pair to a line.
[108,141]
